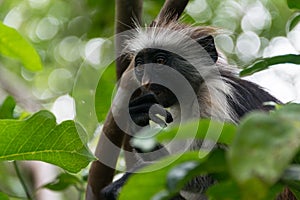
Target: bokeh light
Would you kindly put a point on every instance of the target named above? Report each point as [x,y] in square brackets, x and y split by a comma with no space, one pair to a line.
[248,45]
[47,28]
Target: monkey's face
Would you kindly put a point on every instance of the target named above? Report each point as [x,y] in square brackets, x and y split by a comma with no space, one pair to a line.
[154,70]
[150,69]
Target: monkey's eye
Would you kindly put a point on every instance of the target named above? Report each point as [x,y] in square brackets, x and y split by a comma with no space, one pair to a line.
[138,62]
[160,60]
[139,68]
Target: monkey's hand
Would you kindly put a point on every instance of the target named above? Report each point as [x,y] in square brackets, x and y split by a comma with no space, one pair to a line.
[145,108]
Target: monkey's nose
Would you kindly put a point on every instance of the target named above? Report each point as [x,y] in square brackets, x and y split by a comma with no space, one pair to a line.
[146,81]
[147,86]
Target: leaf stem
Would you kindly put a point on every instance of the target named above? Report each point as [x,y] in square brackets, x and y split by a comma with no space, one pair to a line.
[22,180]
[80,190]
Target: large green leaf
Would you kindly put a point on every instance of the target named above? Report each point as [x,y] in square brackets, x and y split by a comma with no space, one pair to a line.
[266,62]
[205,128]
[264,147]
[151,183]
[13,45]
[164,182]
[39,138]
[181,174]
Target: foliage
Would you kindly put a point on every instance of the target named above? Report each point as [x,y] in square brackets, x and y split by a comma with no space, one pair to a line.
[39,138]
[257,164]
[266,62]
[63,181]
[205,129]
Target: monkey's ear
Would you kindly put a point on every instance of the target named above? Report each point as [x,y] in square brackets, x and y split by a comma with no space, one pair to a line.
[208,44]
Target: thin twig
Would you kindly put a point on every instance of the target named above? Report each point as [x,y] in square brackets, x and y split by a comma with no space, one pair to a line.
[26,189]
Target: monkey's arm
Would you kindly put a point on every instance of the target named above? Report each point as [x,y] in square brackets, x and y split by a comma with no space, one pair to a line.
[142,109]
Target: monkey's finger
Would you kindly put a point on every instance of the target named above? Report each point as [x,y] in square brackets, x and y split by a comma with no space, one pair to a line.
[156,119]
[140,108]
[169,117]
[141,119]
[158,109]
[147,98]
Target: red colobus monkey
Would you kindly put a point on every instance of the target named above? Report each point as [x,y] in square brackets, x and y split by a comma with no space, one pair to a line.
[177,66]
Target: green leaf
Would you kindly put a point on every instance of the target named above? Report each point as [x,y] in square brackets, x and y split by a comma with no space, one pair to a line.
[94,94]
[274,191]
[293,21]
[39,138]
[203,129]
[229,190]
[104,92]
[259,153]
[181,174]
[3,196]
[13,45]
[153,178]
[62,182]
[288,112]
[263,64]
[224,191]
[296,193]
[293,4]
[7,108]
[154,181]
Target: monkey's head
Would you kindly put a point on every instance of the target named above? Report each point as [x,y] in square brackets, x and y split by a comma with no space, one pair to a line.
[162,51]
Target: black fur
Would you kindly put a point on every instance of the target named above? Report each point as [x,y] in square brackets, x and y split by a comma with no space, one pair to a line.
[248,96]
[112,191]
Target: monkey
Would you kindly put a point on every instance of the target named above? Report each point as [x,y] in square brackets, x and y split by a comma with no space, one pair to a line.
[182,76]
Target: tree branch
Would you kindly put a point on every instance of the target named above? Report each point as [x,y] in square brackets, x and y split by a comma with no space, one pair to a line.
[101,175]
[172,9]
[128,14]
